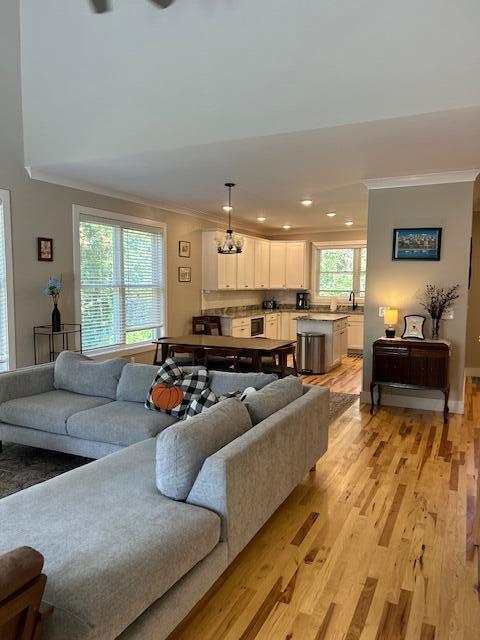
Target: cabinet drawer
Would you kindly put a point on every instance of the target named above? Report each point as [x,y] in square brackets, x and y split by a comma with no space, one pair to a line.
[385,350]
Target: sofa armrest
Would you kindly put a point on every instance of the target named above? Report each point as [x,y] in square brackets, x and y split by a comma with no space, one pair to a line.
[246,481]
[26,382]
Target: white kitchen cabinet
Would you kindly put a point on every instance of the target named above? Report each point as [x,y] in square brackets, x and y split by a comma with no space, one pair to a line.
[261,264]
[277,265]
[236,327]
[284,324]
[296,272]
[272,326]
[246,265]
[288,265]
[218,271]
[355,332]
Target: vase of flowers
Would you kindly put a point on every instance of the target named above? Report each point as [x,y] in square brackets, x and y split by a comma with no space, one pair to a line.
[53,289]
[437,300]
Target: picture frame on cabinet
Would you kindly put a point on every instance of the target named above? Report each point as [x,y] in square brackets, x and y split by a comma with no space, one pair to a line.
[413,327]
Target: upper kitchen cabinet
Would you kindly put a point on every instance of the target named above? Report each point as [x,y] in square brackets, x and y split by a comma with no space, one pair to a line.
[218,271]
[246,265]
[262,264]
[288,265]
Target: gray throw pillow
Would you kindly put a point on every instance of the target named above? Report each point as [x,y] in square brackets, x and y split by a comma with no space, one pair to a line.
[273,397]
[80,374]
[183,448]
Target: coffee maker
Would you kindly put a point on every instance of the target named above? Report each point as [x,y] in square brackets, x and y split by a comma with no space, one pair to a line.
[303,300]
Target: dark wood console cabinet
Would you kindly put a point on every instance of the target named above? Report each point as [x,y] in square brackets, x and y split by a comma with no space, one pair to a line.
[411,364]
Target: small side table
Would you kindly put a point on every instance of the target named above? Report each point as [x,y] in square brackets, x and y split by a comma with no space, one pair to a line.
[66,332]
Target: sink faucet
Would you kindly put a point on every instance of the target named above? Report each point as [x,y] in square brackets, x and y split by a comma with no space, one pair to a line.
[352,300]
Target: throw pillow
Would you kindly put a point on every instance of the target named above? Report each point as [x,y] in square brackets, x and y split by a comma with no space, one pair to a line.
[206,400]
[172,391]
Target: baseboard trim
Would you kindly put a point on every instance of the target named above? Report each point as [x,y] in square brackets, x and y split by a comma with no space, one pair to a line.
[472,371]
[414,402]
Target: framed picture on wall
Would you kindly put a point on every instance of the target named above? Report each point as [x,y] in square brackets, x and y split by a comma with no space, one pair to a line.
[184,274]
[45,249]
[417,244]
[184,249]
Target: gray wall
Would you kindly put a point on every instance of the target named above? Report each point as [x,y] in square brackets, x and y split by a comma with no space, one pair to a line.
[41,209]
[395,283]
[473,318]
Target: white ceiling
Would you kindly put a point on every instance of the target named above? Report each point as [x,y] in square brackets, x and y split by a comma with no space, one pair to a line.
[287,98]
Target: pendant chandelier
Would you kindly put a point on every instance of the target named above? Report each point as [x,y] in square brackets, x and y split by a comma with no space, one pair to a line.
[229,243]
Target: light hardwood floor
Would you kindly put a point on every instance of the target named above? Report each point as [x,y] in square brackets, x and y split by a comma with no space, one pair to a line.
[347,378]
[379,543]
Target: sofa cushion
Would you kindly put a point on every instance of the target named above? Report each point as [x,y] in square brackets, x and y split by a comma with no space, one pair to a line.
[77,373]
[183,447]
[47,411]
[112,544]
[136,380]
[272,398]
[206,400]
[223,382]
[119,422]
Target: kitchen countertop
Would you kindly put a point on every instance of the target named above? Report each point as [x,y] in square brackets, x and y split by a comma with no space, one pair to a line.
[325,317]
[254,313]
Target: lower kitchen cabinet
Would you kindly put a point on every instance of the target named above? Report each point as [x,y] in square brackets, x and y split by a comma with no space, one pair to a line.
[355,332]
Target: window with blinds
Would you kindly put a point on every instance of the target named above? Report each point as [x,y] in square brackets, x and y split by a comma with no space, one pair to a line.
[4,355]
[121,283]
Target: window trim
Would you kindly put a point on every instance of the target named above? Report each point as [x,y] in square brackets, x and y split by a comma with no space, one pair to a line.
[77,211]
[336,244]
[7,217]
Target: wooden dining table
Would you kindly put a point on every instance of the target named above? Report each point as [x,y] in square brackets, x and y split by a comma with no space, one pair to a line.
[254,347]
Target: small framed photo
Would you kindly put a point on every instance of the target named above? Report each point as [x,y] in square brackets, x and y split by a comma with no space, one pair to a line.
[417,244]
[184,274]
[45,249]
[184,249]
[413,327]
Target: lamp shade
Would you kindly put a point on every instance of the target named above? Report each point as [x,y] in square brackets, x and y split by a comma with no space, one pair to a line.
[391,316]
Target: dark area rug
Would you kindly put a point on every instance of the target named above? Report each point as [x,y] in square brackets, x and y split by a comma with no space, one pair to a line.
[22,467]
[340,402]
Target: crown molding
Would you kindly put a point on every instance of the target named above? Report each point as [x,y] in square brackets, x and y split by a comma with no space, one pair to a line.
[447,177]
[218,221]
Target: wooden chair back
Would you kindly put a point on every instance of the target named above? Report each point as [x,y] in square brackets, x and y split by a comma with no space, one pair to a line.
[22,584]
[207,325]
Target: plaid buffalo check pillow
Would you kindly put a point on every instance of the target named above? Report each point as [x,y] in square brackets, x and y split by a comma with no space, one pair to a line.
[206,400]
[172,391]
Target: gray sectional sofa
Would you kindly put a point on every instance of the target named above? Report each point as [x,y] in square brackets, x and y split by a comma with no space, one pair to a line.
[123,560]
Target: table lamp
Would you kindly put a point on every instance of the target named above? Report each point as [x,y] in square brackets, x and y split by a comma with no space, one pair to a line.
[390,318]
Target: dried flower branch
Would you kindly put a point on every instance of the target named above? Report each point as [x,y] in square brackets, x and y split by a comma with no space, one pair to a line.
[437,300]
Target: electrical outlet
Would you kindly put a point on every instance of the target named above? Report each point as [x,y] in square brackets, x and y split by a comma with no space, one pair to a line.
[381,312]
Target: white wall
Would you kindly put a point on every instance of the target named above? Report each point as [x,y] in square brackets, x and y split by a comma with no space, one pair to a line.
[395,283]
[41,209]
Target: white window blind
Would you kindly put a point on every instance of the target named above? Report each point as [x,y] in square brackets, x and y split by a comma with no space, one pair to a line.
[4,359]
[121,283]
[340,270]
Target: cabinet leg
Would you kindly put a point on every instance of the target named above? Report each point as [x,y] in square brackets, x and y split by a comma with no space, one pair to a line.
[372,399]
[446,393]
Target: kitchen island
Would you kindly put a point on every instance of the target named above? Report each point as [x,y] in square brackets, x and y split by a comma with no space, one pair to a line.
[334,326]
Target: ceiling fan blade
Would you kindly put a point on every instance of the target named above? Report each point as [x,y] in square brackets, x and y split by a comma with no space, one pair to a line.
[100,6]
[163,3]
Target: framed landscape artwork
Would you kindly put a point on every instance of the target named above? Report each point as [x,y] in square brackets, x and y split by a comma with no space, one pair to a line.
[417,244]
